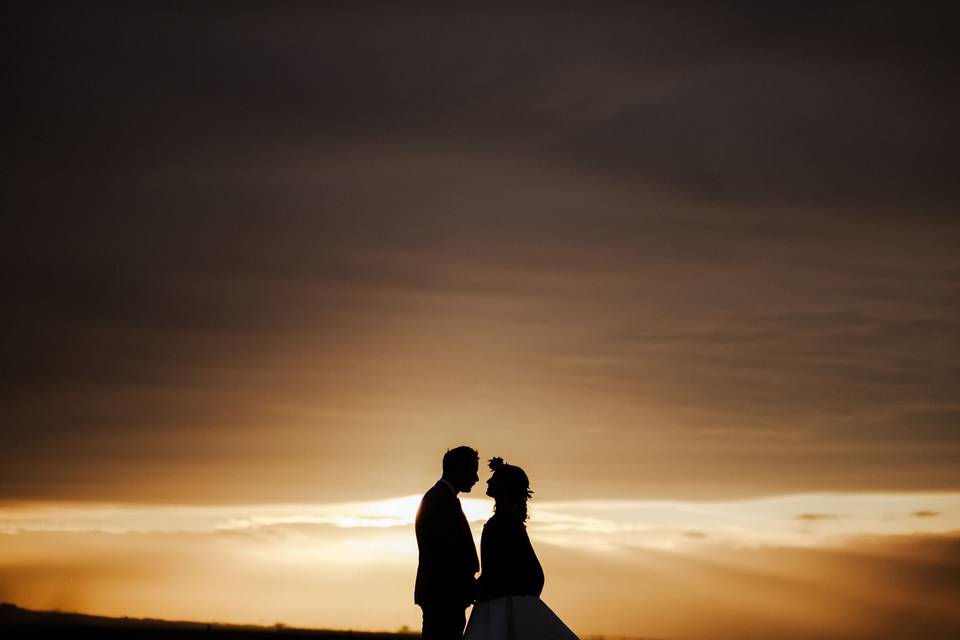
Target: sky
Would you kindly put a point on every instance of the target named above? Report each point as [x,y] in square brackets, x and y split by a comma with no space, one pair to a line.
[806,565]
[288,254]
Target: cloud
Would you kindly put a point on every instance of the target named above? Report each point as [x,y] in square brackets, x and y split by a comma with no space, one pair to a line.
[885,587]
[693,230]
[815,517]
[724,102]
[612,525]
[863,586]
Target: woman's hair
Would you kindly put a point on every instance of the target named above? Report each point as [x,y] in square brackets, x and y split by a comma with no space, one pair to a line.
[512,488]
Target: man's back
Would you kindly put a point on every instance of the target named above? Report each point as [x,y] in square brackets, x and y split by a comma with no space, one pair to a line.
[448,557]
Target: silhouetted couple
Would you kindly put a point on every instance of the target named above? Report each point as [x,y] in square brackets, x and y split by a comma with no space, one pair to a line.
[507,594]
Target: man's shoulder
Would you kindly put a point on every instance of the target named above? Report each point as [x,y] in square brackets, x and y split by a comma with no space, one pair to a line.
[438,487]
[438,494]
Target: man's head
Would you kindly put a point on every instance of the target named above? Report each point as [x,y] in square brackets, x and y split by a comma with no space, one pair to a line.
[460,468]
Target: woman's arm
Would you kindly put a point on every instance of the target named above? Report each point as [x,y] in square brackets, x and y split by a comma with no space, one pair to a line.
[534,571]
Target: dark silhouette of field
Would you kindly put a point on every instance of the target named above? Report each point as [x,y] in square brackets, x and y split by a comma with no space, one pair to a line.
[16,622]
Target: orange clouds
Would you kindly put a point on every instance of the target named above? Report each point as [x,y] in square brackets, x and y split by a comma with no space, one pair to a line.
[709,570]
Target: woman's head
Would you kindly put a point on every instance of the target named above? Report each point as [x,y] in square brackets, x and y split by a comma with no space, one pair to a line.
[509,487]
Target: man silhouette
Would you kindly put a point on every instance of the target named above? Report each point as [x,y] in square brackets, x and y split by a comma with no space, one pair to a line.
[448,558]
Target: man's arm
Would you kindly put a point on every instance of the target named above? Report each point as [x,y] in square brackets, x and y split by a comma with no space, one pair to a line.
[445,567]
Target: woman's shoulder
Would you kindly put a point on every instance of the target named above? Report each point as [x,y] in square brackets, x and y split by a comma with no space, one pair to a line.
[504,521]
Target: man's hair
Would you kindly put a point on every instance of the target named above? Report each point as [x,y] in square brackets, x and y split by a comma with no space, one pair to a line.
[460,458]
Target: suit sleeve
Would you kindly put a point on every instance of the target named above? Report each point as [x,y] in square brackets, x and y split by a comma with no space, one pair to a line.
[447,559]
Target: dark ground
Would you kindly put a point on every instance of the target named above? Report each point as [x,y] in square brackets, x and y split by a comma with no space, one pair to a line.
[17,622]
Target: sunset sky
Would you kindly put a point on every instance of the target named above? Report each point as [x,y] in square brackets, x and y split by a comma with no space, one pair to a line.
[695,268]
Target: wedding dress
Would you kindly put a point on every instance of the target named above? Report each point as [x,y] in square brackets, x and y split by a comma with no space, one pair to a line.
[515,618]
[508,603]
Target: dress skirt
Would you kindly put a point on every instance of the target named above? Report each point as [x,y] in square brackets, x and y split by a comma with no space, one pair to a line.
[515,618]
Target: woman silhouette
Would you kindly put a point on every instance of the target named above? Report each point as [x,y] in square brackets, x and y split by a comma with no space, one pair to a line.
[511,579]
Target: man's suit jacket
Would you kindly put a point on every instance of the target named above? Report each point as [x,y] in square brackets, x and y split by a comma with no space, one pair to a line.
[448,557]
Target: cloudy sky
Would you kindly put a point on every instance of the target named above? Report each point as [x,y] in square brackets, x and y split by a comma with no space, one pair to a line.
[285,254]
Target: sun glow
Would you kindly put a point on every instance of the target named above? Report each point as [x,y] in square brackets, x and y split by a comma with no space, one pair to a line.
[797,519]
[317,564]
